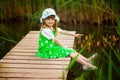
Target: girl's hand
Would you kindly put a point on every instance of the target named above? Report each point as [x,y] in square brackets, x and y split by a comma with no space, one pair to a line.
[78,35]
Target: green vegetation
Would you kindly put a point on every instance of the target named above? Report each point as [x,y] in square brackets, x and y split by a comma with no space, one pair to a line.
[103,40]
[10,34]
[92,11]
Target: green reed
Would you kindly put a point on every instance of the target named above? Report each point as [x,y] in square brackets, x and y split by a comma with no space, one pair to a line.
[113,56]
[92,11]
[118,27]
[108,60]
[11,34]
[6,36]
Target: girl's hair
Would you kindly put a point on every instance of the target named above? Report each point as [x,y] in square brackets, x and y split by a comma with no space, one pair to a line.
[55,24]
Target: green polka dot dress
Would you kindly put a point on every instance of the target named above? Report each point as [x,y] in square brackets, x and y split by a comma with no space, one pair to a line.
[47,48]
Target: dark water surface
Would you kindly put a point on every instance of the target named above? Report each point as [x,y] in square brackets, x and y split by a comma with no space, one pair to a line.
[99,33]
[97,44]
[13,31]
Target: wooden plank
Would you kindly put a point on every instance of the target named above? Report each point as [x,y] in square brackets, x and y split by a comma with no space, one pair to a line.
[32,71]
[30,75]
[34,61]
[13,53]
[22,64]
[26,79]
[33,66]
[31,58]
[30,54]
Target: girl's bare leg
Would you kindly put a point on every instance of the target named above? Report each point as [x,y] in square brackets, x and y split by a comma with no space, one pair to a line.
[87,59]
[82,60]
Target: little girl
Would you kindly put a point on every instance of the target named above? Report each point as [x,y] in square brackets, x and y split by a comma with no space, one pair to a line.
[49,45]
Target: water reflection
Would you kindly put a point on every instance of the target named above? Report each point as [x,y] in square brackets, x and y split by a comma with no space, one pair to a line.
[96,38]
[99,33]
[13,31]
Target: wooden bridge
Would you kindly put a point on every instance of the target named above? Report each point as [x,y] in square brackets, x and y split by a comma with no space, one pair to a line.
[20,62]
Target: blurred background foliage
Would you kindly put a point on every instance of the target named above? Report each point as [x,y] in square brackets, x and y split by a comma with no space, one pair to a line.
[91,11]
[98,20]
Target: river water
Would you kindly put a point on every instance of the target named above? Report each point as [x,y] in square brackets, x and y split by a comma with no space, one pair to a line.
[13,31]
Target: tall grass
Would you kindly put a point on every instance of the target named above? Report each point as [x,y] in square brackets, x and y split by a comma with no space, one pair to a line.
[118,27]
[92,11]
[11,34]
[113,57]
[107,60]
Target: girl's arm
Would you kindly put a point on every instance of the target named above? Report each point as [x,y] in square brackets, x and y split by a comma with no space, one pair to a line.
[72,34]
[57,42]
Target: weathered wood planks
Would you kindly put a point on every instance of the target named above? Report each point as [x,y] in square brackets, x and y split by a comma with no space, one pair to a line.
[20,62]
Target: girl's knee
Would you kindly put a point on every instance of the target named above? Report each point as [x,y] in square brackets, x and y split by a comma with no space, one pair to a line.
[74,54]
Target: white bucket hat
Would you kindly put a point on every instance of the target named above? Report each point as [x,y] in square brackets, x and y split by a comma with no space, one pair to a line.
[48,12]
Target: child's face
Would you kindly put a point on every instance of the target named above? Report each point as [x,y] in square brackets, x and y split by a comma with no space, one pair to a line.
[50,21]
